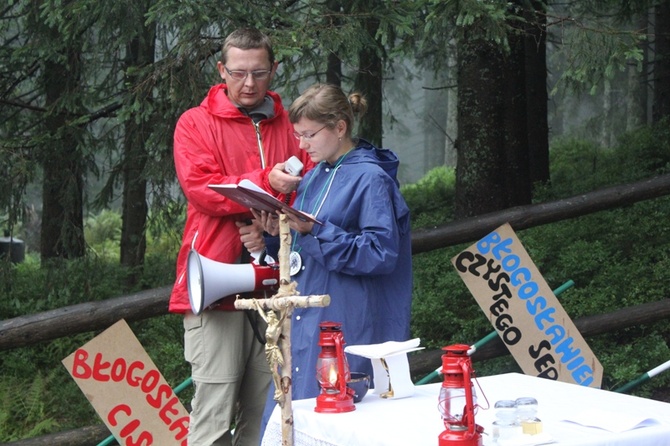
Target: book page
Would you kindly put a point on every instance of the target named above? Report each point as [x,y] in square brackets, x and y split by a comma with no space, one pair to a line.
[250,195]
[248,184]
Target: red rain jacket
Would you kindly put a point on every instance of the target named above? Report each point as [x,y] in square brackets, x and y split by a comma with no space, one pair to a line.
[215,143]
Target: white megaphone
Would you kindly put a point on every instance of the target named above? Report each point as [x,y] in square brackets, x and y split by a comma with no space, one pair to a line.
[224,279]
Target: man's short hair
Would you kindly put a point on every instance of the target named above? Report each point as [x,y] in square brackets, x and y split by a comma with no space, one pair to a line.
[247,39]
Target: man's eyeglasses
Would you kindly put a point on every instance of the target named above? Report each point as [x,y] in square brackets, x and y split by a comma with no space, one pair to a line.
[240,75]
[307,135]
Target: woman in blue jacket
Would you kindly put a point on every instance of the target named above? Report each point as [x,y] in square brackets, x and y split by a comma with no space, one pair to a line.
[361,253]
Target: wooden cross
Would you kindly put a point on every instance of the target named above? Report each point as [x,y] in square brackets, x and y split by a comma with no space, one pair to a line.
[277,311]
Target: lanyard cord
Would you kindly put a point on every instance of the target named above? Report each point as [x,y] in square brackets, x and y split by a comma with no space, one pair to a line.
[319,201]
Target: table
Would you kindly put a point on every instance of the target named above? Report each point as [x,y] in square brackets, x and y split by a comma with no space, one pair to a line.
[415,421]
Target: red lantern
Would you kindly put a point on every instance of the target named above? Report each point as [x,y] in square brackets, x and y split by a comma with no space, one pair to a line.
[457,399]
[332,371]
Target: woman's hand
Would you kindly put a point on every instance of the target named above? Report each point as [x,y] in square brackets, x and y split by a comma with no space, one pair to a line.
[269,222]
[303,227]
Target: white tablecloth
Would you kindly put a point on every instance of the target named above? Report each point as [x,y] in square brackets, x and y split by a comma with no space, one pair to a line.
[415,421]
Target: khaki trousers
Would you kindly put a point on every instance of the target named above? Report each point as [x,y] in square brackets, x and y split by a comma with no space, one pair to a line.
[231,378]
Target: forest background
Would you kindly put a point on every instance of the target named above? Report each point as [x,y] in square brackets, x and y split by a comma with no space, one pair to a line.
[90,93]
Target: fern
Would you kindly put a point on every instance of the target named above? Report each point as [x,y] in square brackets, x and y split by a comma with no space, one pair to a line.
[23,412]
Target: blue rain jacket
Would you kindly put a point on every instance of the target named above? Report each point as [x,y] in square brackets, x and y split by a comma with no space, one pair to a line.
[360,256]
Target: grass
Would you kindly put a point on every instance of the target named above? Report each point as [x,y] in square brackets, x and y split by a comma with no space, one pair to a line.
[616,258]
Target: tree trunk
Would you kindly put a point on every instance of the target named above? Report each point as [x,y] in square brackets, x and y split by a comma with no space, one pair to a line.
[499,116]
[140,53]
[537,96]
[368,82]
[635,99]
[450,154]
[636,84]
[134,206]
[334,70]
[480,169]
[661,105]
[62,233]
[334,63]
[85,436]
[606,128]
[518,186]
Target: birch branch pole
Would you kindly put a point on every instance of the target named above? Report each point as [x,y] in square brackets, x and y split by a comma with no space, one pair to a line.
[278,335]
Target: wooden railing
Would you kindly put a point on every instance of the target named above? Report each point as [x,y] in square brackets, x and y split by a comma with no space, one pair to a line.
[92,316]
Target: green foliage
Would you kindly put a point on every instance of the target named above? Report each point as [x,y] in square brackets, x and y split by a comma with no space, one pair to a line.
[649,147]
[30,288]
[632,358]
[488,17]
[103,233]
[162,338]
[434,317]
[594,41]
[595,53]
[35,385]
[24,408]
[443,310]
[165,228]
[431,198]
[590,42]
[580,166]
[617,259]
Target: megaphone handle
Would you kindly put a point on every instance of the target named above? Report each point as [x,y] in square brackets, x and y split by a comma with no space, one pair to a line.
[261,258]
[254,257]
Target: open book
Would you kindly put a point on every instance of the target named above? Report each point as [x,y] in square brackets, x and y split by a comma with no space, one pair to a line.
[250,195]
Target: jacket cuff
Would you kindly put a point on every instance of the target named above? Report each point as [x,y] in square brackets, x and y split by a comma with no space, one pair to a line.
[267,186]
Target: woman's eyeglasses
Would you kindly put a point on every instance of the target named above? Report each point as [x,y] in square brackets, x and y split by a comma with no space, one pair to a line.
[307,135]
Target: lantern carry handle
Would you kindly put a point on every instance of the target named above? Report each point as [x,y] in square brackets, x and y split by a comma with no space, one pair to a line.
[469,412]
[343,375]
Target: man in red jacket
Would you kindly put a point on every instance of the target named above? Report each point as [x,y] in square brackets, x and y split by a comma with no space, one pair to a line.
[239,131]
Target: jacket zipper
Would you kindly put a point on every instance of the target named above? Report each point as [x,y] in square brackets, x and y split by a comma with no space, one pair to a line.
[261,151]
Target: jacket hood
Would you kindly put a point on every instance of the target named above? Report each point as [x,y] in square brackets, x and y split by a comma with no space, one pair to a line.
[217,103]
[365,152]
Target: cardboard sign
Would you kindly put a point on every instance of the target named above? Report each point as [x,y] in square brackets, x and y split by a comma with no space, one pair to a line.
[126,389]
[524,310]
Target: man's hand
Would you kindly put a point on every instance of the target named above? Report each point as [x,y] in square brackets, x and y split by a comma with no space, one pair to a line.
[251,235]
[282,181]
